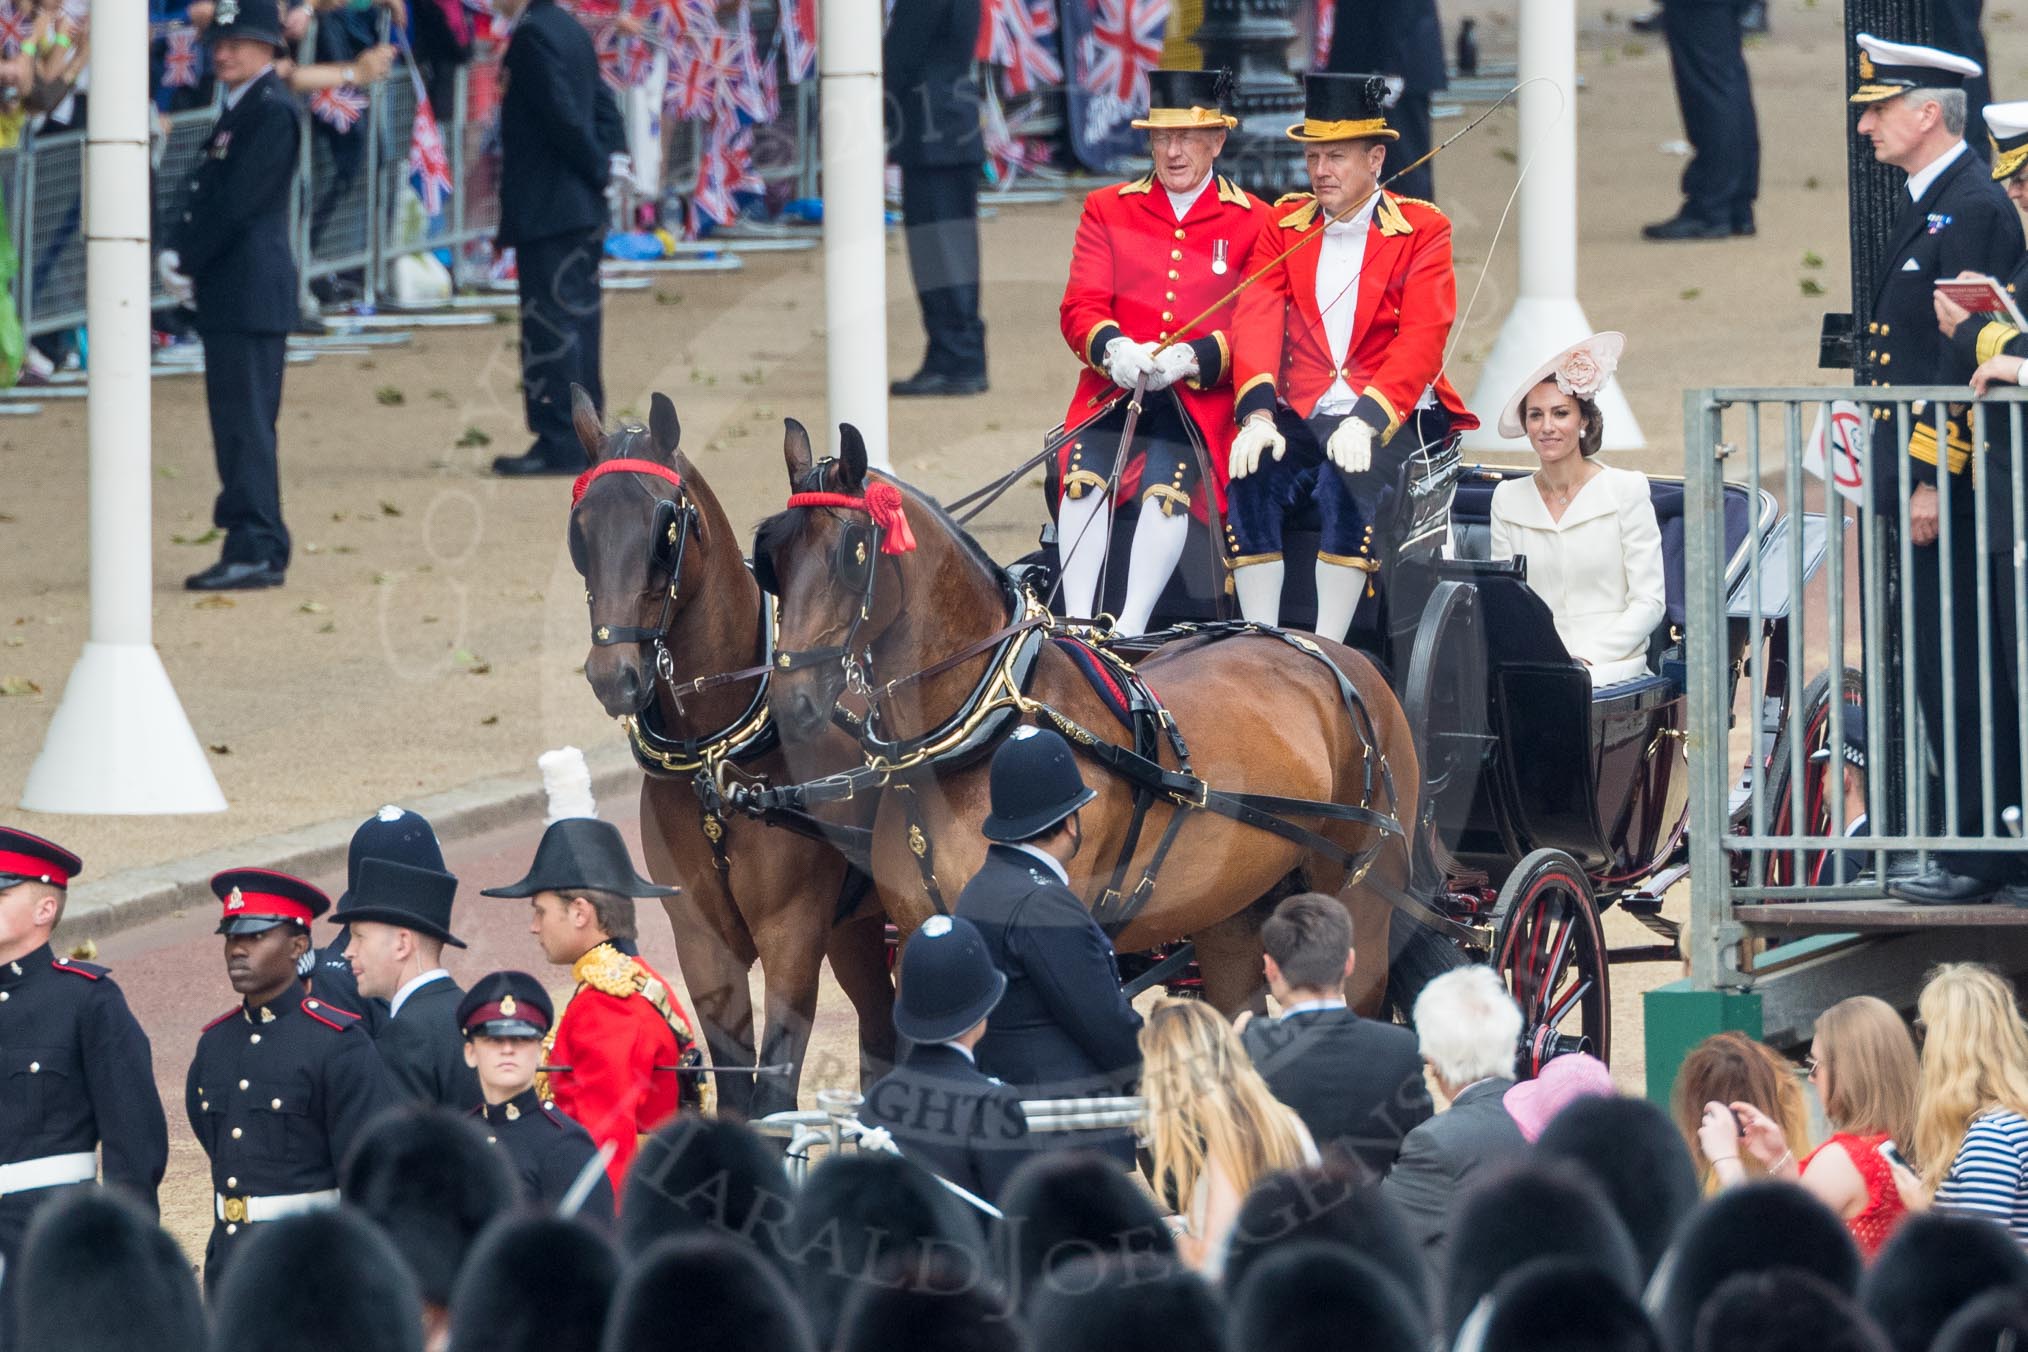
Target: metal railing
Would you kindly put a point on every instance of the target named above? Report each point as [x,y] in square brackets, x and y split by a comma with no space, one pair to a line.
[1917,650]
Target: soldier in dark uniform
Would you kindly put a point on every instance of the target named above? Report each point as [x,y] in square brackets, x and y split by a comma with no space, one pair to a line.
[400,920]
[1715,95]
[282,1083]
[76,1065]
[503,1019]
[1404,41]
[559,128]
[1062,1029]
[392,833]
[229,254]
[942,1110]
[934,138]
[1955,219]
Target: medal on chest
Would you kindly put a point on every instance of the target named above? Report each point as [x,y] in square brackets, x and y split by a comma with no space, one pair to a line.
[1218,258]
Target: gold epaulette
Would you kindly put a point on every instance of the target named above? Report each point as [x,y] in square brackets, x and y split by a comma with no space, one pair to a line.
[605,968]
[1419,201]
[1144,184]
[1288,197]
[1231,192]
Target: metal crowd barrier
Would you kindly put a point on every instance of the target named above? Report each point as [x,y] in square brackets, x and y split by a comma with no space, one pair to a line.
[1786,906]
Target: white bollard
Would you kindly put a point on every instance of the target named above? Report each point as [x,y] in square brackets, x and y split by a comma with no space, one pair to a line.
[855,221]
[1546,316]
[120,742]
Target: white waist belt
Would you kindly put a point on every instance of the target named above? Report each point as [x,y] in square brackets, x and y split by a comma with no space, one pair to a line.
[51,1171]
[238,1209]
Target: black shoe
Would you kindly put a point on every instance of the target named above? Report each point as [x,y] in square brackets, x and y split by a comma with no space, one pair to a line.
[534,464]
[1686,227]
[935,383]
[1938,886]
[1744,229]
[2013,894]
[226,576]
[1651,22]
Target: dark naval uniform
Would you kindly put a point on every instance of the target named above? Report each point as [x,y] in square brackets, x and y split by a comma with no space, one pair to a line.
[1715,96]
[233,243]
[276,1096]
[548,1150]
[951,1117]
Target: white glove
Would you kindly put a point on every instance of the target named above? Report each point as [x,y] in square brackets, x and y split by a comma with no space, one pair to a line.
[1256,434]
[1127,361]
[170,267]
[1173,363]
[1351,446]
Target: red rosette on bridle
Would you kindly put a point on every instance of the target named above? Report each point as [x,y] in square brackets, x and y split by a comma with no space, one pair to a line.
[883,502]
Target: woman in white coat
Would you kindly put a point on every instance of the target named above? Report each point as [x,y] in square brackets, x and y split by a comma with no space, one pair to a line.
[1588,530]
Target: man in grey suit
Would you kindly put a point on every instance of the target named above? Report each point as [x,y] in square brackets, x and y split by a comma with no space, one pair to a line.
[1469,1028]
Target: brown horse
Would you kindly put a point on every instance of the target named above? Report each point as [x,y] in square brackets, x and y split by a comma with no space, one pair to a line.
[1259,716]
[759,892]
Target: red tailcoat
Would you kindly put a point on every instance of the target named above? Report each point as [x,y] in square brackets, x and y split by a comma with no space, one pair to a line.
[1139,272]
[616,1035]
[1407,301]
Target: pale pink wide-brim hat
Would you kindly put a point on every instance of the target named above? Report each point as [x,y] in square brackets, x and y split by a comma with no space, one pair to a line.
[1581,369]
[1565,1080]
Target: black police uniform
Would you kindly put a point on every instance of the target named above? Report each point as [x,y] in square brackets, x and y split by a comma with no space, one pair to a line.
[332,981]
[558,128]
[75,1075]
[1715,96]
[1402,39]
[233,243]
[951,1117]
[549,1151]
[276,1095]
[933,135]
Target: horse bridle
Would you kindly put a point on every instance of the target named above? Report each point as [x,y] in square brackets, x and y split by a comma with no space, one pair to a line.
[675,521]
[857,556]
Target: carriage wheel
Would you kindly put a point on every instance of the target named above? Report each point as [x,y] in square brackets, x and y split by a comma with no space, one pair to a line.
[1815,729]
[1550,949]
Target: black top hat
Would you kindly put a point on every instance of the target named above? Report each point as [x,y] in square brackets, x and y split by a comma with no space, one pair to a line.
[259,899]
[505,1004]
[1345,108]
[28,858]
[582,853]
[254,20]
[1855,740]
[948,981]
[1035,785]
[1187,99]
[398,894]
[392,833]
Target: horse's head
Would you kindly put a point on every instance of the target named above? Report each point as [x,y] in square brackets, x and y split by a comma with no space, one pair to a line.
[633,519]
[835,560]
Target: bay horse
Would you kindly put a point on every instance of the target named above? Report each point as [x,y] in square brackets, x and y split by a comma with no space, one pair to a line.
[917,627]
[672,601]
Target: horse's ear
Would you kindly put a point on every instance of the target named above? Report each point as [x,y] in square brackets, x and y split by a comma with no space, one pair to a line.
[796,450]
[584,416]
[662,422]
[851,458]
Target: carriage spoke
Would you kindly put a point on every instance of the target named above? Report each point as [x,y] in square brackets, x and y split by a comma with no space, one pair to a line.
[1561,1010]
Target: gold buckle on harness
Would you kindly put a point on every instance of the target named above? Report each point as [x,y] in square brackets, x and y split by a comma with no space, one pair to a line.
[1200,797]
[235,1210]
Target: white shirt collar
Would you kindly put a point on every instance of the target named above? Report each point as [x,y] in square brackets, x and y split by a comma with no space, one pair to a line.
[414,984]
[1919,181]
[1305,1006]
[236,92]
[1358,221]
[962,1050]
[1181,202]
[1062,874]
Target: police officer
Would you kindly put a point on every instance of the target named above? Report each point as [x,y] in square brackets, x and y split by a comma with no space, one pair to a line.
[942,1110]
[1062,1028]
[1848,781]
[559,129]
[282,1083]
[1338,356]
[503,1020]
[1715,95]
[229,255]
[75,1061]
[400,920]
[1153,256]
[1954,219]
[613,1056]
[392,833]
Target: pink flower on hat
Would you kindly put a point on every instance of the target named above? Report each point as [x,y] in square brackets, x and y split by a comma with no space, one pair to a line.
[1582,373]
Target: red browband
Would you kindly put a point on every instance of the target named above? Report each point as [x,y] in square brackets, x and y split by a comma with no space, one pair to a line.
[622,467]
[34,866]
[883,502]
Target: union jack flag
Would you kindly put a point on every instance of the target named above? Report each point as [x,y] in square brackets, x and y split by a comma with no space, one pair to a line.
[724,173]
[341,107]
[798,20]
[751,91]
[1014,34]
[1126,43]
[698,75]
[428,166]
[1327,23]
[179,58]
[626,62]
[683,20]
[14,28]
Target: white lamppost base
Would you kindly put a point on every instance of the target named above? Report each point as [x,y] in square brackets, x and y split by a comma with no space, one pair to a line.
[1536,329]
[120,742]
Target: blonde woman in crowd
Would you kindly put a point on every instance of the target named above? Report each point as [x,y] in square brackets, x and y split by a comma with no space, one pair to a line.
[1213,1128]
[1971,1120]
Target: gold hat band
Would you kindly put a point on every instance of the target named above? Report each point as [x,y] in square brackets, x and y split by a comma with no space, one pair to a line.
[2005,161]
[1186,119]
[1312,129]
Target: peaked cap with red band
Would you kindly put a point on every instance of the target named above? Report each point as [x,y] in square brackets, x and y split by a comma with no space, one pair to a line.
[584,480]
[25,857]
[257,899]
[883,502]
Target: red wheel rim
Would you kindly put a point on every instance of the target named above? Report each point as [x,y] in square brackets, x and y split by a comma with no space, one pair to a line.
[1552,957]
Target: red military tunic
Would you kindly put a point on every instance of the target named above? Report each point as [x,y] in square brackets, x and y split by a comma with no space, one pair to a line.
[1136,271]
[1407,301]
[622,1028]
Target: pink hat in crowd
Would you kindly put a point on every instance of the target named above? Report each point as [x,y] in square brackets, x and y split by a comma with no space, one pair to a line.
[1533,1103]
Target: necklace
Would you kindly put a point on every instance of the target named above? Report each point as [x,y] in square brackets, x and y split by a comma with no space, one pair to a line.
[1561,497]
